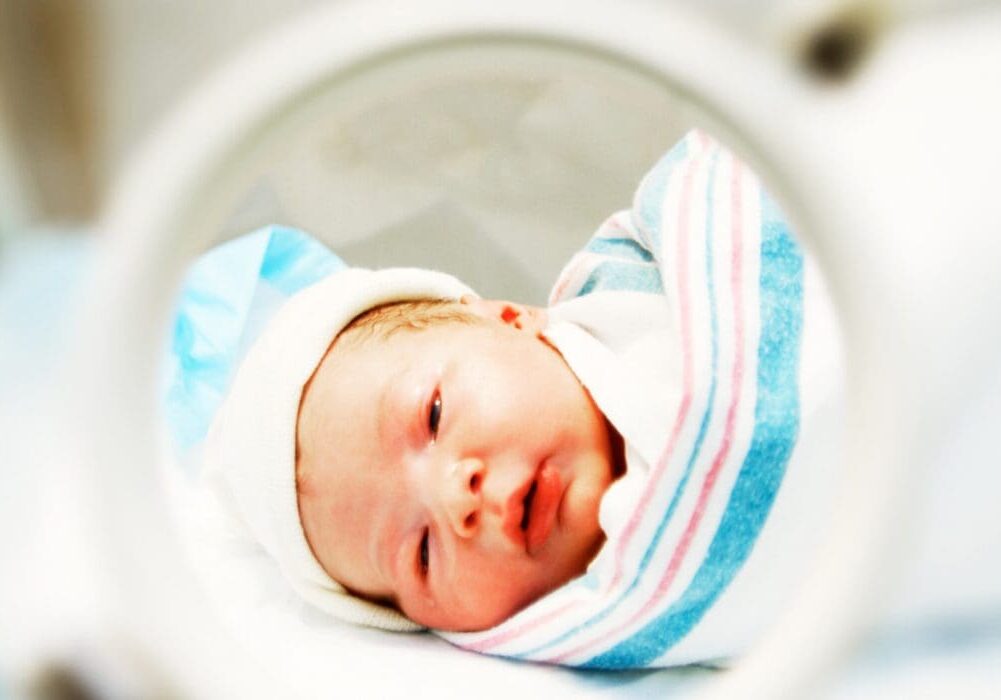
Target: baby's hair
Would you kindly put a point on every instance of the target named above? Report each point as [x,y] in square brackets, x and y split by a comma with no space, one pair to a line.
[387,319]
[381,322]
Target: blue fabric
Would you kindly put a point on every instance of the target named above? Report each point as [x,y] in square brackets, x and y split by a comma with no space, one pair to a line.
[227,298]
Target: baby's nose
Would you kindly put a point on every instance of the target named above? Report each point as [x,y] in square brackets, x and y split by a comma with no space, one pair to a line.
[464,496]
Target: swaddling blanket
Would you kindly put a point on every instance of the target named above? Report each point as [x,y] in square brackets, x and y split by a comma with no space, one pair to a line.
[705,240]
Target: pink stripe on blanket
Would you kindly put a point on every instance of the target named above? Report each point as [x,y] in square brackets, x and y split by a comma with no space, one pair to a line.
[677,559]
[688,372]
[737,379]
[515,632]
[684,302]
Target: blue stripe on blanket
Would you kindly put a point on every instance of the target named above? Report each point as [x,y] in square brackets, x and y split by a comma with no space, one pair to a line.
[649,204]
[696,450]
[615,275]
[622,248]
[775,431]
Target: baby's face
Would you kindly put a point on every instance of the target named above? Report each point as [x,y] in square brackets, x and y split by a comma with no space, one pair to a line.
[455,471]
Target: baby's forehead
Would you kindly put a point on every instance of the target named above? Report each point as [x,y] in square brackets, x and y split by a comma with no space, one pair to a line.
[377,343]
[350,373]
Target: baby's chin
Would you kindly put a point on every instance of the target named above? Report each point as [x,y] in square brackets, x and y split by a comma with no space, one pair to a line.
[494,601]
[480,620]
[454,621]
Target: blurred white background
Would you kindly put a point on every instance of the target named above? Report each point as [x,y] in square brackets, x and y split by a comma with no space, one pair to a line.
[82,83]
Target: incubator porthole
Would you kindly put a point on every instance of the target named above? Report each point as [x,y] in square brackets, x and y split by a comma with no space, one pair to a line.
[496,162]
[206,178]
[493,141]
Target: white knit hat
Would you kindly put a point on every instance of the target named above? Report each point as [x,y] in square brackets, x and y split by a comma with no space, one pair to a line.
[250,450]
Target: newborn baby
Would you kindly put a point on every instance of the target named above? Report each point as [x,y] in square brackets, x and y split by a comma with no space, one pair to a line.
[584,482]
[437,457]
[449,462]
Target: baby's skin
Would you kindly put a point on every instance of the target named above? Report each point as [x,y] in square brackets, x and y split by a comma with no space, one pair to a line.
[455,470]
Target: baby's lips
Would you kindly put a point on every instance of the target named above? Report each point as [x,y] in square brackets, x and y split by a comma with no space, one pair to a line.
[545,507]
[514,512]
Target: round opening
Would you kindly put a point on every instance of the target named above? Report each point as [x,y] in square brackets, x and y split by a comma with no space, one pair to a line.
[496,161]
[493,160]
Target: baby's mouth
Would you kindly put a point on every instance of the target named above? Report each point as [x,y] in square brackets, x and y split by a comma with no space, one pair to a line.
[533,509]
[540,508]
[526,505]
[518,518]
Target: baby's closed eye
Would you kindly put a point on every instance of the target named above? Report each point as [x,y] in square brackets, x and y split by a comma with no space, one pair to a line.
[424,553]
[434,414]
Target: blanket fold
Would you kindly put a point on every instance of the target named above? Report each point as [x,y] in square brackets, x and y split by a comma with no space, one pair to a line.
[703,234]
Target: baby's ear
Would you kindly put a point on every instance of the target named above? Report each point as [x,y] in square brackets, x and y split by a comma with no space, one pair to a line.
[521,316]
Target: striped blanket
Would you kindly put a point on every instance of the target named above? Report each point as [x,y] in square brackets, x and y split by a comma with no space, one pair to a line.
[702,233]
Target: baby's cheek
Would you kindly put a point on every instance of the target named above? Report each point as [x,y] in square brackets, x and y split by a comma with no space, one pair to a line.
[583,503]
[494,590]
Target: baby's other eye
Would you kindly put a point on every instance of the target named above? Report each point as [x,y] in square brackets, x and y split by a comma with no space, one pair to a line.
[434,415]
[424,554]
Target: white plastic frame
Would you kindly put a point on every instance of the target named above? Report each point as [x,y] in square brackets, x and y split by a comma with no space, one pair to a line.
[813,147]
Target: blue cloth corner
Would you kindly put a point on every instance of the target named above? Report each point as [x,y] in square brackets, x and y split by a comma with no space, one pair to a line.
[227,298]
